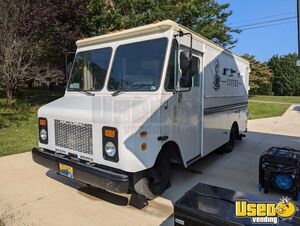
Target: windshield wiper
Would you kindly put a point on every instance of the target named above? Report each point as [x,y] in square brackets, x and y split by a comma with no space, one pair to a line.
[83,91]
[87,92]
[129,88]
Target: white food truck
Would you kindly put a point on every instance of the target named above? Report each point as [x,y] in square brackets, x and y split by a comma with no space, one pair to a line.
[139,99]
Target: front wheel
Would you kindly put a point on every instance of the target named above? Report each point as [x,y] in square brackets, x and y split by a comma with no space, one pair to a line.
[156,180]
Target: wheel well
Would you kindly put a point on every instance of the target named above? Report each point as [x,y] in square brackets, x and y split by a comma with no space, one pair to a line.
[173,149]
[236,126]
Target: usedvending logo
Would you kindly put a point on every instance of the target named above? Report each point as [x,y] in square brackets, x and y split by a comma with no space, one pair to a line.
[265,212]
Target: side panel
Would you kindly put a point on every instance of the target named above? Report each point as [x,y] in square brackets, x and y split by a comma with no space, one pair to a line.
[217,127]
[225,97]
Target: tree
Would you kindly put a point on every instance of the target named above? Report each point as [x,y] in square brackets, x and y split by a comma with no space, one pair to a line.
[260,76]
[286,79]
[206,17]
[17,52]
[55,24]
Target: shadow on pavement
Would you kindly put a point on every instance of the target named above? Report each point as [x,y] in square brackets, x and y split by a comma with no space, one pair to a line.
[89,191]
[71,183]
[105,195]
[297,108]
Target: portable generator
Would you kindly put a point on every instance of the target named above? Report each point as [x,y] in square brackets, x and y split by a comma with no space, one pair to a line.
[279,169]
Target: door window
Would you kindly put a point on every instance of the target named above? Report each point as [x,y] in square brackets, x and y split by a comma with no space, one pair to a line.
[172,71]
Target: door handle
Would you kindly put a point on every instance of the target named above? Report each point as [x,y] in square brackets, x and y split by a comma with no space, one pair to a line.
[166,105]
[162,138]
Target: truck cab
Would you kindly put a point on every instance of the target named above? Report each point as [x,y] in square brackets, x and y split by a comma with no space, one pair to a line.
[135,102]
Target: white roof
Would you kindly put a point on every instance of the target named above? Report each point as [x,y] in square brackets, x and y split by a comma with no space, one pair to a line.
[148,29]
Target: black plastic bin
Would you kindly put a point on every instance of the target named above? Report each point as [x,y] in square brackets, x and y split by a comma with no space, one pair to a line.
[206,205]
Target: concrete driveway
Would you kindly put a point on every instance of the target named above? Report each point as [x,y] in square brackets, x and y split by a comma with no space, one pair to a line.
[32,195]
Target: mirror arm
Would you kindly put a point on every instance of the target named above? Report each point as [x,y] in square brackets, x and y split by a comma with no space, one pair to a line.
[191,46]
[181,34]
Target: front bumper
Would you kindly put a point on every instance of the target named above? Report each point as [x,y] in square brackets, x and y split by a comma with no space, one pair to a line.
[89,174]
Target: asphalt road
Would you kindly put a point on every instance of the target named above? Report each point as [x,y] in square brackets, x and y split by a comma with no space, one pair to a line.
[32,195]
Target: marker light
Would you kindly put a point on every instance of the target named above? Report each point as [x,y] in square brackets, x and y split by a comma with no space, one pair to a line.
[110,133]
[42,122]
[143,133]
[143,146]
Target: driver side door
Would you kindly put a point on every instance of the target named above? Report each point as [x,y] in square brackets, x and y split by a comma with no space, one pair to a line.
[190,113]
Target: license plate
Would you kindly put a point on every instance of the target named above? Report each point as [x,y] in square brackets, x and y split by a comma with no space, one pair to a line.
[66,170]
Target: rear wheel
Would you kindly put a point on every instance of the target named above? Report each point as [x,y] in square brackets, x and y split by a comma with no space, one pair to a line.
[156,180]
[228,147]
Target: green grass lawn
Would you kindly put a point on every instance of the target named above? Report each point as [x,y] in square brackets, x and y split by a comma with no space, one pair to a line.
[264,110]
[283,99]
[18,122]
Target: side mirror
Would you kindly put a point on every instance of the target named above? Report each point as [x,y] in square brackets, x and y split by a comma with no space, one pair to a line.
[184,60]
[185,82]
[186,68]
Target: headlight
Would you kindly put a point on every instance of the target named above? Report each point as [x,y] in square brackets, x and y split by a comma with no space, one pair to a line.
[110,149]
[43,134]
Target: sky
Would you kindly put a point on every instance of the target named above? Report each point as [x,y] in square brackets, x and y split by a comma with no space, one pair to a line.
[264,42]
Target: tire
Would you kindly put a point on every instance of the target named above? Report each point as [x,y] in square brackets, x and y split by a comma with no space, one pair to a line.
[156,180]
[229,146]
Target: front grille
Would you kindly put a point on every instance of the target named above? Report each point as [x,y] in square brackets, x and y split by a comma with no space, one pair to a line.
[74,136]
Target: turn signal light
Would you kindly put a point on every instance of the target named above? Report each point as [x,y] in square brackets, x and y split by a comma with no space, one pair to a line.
[143,146]
[110,133]
[42,122]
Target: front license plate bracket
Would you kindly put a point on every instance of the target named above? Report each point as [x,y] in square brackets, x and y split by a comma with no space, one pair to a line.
[66,170]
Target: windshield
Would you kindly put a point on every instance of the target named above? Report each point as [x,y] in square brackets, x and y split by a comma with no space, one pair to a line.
[138,65]
[90,69]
